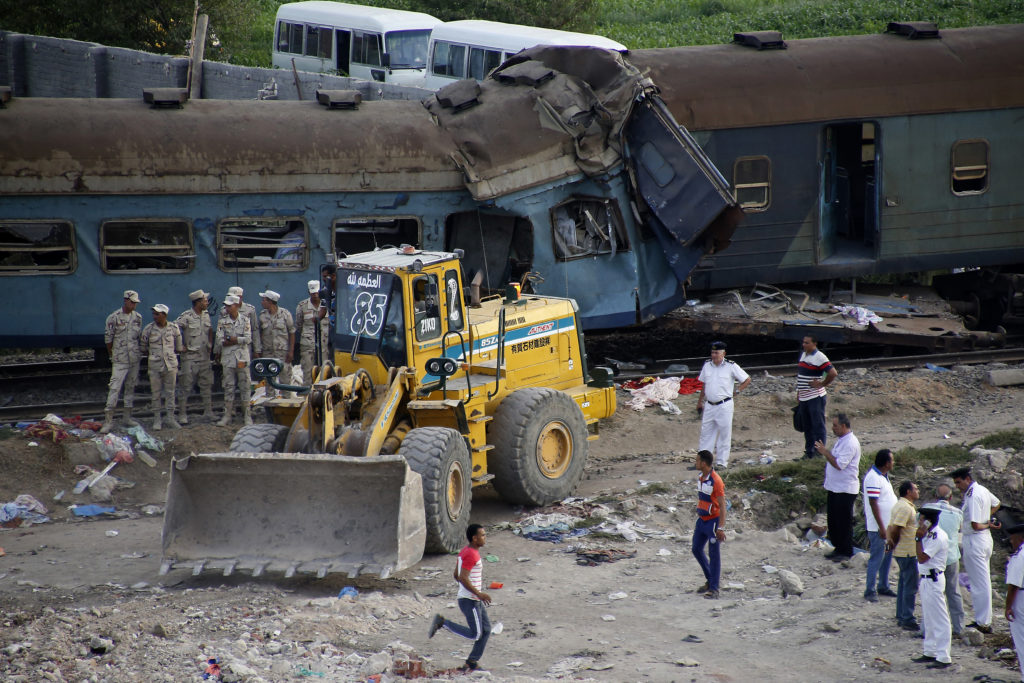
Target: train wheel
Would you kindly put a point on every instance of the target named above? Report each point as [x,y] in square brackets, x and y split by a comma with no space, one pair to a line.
[540,446]
[441,458]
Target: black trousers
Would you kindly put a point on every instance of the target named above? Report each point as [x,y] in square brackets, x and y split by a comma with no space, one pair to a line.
[840,521]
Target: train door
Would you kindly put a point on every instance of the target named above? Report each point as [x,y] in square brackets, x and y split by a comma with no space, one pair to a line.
[848,223]
[344,40]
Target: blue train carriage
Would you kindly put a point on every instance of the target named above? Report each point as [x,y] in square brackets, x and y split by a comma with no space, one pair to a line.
[858,155]
[98,196]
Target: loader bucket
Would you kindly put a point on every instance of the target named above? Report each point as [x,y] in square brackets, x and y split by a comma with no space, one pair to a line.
[293,512]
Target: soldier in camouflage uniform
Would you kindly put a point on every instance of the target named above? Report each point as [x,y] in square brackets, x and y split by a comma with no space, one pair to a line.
[161,342]
[309,315]
[231,344]
[249,311]
[197,338]
[122,338]
[277,334]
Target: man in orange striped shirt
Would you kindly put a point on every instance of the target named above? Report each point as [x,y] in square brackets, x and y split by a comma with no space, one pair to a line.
[710,527]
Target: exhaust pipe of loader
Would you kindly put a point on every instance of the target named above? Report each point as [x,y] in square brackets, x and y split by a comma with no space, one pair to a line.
[293,512]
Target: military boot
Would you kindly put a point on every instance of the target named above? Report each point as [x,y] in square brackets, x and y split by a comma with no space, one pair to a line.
[183,410]
[246,417]
[208,408]
[171,422]
[108,422]
[126,417]
[229,409]
[157,421]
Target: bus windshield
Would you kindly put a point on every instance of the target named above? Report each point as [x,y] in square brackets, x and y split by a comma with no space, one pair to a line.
[369,309]
[408,49]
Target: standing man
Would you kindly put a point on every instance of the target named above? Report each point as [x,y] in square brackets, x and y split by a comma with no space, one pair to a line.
[249,311]
[931,543]
[162,344]
[121,335]
[710,526]
[231,343]
[842,481]
[951,520]
[277,332]
[197,338]
[1014,611]
[469,570]
[878,501]
[813,375]
[902,527]
[719,377]
[309,315]
[979,507]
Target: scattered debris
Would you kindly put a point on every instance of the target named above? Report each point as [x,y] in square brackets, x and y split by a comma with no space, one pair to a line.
[592,558]
[791,583]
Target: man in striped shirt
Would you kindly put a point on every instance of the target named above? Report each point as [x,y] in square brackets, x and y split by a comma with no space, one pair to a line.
[469,572]
[814,374]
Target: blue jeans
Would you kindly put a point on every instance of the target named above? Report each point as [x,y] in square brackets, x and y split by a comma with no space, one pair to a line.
[710,564]
[906,590]
[479,628]
[814,423]
[879,562]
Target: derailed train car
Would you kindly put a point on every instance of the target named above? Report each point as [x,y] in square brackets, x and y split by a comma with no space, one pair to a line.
[863,155]
[532,171]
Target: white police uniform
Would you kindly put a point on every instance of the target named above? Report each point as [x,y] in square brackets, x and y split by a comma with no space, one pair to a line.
[1015,577]
[977,555]
[937,631]
[716,425]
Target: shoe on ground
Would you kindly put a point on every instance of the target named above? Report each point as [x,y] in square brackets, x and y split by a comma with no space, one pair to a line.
[704,588]
[436,624]
[922,659]
[939,665]
[840,558]
[871,597]
[980,627]
[470,666]
[721,465]
[887,592]
[910,626]
[711,595]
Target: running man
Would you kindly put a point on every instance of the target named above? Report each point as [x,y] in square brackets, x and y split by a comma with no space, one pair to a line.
[469,571]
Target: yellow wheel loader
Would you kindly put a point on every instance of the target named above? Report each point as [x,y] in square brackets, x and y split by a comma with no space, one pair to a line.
[374,463]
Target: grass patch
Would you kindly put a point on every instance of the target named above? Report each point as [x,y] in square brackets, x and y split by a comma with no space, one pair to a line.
[655,487]
[1013,438]
[587,522]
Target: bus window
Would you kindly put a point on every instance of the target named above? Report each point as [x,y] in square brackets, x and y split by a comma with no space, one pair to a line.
[146,245]
[449,59]
[366,48]
[262,244]
[482,62]
[289,37]
[408,49]
[319,40]
[36,246]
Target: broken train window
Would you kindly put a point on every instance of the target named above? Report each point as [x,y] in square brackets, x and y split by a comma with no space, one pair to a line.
[752,180]
[588,226]
[147,245]
[262,244]
[36,247]
[970,167]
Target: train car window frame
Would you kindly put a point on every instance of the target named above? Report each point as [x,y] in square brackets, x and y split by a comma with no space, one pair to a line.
[576,233]
[284,248]
[753,183]
[966,179]
[11,251]
[376,226]
[179,257]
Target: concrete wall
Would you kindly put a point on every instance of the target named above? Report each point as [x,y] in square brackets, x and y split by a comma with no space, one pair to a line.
[37,66]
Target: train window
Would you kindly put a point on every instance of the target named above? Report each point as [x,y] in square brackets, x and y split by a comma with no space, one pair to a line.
[587,227]
[262,244]
[969,167]
[353,235]
[318,41]
[36,247]
[144,244]
[752,182]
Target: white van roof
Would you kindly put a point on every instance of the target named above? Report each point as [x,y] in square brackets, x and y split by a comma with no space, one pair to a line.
[514,37]
[343,14]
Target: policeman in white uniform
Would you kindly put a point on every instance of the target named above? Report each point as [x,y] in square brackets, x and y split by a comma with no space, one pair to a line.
[1014,611]
[931,543]
[719,377]
[979,506]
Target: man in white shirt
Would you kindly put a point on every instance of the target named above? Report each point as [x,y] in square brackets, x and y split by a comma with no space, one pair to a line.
[842,481]
[931,543]
[979,506]
[1014,611]
[719,377]
[879,498]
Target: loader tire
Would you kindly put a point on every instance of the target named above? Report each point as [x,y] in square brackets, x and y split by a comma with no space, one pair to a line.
[540,446]
[261,438]
[441,458]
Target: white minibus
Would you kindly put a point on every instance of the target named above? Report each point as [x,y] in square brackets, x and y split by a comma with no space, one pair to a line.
[371,43]
[472,48]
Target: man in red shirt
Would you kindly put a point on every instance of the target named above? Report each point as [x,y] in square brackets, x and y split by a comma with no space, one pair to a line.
[469,571]
[710,527]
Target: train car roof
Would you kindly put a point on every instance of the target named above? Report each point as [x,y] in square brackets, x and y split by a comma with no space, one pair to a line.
[839,78]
